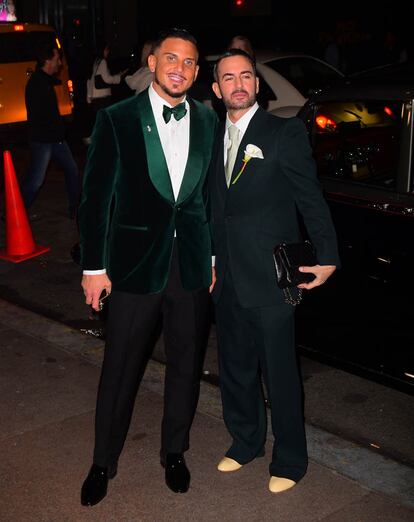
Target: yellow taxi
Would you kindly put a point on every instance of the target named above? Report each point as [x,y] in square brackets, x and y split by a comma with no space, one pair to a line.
[18,43]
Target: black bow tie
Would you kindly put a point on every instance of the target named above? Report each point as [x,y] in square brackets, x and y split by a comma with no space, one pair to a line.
[179,112]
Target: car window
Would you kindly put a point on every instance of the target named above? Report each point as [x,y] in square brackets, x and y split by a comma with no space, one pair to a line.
[21,46]
[358,141]
[306,74]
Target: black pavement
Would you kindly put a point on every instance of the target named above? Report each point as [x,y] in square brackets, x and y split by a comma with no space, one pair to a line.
[49,373]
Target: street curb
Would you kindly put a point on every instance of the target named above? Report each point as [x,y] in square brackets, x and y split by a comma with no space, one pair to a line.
[355,462]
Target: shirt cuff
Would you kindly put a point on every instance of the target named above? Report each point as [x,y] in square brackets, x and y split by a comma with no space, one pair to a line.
[94,272]
[213,260]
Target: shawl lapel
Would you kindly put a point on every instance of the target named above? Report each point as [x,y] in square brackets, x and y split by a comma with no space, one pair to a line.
[220,174]
[193,168]
[157,165]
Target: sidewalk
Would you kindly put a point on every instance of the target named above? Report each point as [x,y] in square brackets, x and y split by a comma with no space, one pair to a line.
[48,379]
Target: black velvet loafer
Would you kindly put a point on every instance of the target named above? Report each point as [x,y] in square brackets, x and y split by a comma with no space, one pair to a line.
[177,475]
[95,486]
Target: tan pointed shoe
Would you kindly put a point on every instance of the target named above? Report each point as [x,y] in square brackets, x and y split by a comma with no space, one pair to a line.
[279,484]
[226,464]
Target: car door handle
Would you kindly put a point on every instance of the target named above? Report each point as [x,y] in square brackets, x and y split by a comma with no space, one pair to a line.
[385,260]
[380,269]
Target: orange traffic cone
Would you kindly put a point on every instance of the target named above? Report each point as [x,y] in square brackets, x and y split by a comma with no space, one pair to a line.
[20,244]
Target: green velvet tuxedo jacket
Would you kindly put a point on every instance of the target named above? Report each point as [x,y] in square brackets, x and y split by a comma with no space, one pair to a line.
[261,209]
[128,214]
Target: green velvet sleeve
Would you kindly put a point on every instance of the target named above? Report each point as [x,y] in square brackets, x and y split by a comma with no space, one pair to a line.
[97,192]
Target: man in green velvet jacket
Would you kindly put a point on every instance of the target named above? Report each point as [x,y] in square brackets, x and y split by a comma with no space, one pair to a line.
[262,177]
[145,241]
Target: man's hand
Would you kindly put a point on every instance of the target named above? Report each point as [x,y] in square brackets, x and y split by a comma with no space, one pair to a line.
[213,279]
[93,286]
[322,272]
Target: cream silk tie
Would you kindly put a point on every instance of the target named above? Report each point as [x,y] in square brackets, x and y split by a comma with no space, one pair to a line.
[234,135]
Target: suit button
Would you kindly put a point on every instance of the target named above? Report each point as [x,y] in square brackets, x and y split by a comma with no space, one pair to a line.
[178,209]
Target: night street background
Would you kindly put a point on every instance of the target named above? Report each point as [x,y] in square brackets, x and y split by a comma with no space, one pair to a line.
[355,410]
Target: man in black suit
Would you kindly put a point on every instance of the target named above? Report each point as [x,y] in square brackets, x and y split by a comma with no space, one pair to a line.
[262,176]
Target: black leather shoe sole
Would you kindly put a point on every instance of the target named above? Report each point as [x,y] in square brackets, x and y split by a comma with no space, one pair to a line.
[183,488]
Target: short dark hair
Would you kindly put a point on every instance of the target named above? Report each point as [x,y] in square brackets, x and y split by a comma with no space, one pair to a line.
[173,32]
[44,52]
[228,54]
[100,48]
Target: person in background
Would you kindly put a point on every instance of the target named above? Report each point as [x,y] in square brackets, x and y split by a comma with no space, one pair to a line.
[99,90]
[145,240]
[262,175]
[47,130]
[141,78]
[242,42]
[100,97]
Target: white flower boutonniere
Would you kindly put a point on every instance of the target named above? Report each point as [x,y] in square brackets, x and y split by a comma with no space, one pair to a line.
[251,152]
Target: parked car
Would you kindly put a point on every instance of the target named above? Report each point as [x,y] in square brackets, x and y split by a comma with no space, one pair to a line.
[286,80]
[18,44]
[304,73]
[362,137]
[401,73]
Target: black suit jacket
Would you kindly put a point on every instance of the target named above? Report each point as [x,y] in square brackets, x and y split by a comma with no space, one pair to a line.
[261,209]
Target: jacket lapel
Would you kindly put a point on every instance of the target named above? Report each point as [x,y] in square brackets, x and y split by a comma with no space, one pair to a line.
[157,166]
[193,168]
[220,174]
[251,134]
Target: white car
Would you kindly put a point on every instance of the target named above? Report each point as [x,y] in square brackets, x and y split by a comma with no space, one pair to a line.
[287,80]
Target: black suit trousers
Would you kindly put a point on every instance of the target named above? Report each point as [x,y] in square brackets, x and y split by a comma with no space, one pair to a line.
[132,322]
[255,343]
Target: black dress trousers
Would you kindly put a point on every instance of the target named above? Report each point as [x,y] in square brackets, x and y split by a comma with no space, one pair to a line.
[132,322]
[254,343]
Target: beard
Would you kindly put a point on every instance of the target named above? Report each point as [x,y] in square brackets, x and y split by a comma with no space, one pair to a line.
[167,90]
[235,105]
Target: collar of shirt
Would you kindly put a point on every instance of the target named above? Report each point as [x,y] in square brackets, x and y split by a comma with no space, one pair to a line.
[243,122]
[157,104]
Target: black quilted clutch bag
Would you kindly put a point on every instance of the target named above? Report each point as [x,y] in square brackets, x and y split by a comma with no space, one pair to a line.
[288,257]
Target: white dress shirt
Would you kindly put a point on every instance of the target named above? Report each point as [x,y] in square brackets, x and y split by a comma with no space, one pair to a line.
[241,124]
[175,142]
[174,137]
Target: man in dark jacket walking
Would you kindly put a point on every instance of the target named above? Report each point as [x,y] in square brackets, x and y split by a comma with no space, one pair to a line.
[47,130]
